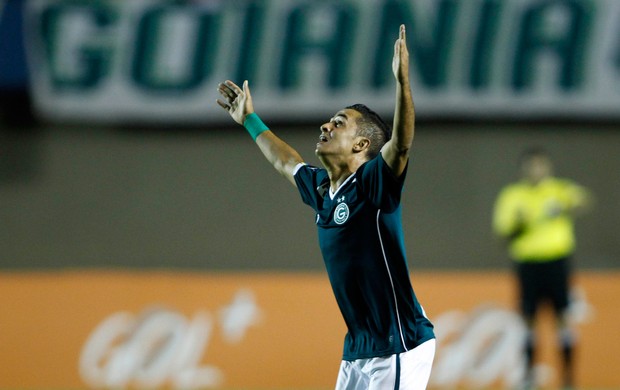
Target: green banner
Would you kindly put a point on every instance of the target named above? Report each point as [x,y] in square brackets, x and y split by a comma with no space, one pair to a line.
[157,60]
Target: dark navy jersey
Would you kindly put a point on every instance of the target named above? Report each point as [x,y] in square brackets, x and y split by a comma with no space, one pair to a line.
[361,239]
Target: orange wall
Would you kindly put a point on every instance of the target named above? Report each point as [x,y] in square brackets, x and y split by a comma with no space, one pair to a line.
[293,336]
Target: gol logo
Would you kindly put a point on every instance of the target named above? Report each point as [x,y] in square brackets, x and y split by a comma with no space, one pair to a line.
[161,347]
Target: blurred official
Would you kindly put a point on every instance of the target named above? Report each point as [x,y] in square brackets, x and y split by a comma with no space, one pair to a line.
[536,216]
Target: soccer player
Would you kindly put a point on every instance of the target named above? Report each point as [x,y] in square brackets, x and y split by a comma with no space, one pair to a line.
[536,215]
[390,343]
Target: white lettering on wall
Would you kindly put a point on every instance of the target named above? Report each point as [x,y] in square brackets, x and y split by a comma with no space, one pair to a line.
[162,347]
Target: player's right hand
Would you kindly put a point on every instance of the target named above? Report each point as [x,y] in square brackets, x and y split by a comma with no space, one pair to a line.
[237,101]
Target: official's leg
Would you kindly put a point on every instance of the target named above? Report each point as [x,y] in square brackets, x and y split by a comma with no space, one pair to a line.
[530,284]
[559,285]
[567,349]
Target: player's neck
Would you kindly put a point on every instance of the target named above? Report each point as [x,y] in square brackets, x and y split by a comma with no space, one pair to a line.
[340,168]
[336,181]
[339,174]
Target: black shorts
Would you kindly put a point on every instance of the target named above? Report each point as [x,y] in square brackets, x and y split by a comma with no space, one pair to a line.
[541,282]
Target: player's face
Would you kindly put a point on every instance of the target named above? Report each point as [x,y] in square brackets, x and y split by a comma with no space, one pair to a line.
[338,135]
[537,168]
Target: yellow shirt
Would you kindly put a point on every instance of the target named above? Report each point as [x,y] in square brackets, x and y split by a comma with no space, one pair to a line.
[542,214]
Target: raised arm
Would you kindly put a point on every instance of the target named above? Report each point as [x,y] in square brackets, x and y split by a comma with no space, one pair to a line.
[238,103]
[396,151]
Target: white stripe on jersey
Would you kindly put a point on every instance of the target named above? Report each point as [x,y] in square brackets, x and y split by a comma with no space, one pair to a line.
[400,329]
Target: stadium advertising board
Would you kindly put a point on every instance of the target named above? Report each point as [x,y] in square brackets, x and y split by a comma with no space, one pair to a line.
[156,60]
[193,330]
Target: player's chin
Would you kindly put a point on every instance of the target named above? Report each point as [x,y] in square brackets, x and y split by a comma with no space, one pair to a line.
[323,148]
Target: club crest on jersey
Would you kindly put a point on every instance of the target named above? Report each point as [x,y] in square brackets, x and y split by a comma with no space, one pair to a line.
[341,214]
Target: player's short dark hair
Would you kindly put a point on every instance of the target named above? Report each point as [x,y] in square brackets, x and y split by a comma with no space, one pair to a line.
[371,126]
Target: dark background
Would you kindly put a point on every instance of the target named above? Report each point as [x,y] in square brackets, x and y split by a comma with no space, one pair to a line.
[74,196]
[205,198]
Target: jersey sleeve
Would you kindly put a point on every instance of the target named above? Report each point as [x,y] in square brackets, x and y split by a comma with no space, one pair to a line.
[309,180]
[380,185]
[574,195]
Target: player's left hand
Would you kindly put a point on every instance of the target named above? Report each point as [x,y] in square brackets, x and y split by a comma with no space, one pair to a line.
[400,62]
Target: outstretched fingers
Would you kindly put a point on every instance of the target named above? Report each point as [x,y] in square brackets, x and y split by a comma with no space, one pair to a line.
[400,46]
[224,105]
[235,100]
[230,92]
[400,63]
[233,87]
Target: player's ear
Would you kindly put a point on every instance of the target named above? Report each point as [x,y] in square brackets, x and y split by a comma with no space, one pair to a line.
[361,144]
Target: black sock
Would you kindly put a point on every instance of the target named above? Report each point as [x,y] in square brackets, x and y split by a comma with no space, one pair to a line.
[530,351]
[567,343]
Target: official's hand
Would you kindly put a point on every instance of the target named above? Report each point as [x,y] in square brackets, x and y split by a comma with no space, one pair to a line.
[237,101]
[400,62]
[520,225]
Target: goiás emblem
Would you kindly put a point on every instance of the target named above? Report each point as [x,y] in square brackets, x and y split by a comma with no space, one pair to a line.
[341,214]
